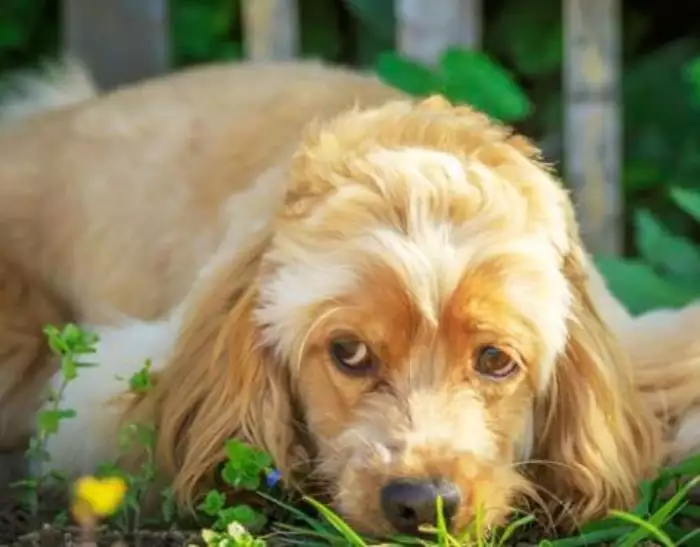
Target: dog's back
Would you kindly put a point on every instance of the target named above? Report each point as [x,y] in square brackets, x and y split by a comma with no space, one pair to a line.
[117,201]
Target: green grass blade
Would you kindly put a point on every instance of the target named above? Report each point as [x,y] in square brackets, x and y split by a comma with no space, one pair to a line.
[591,538]
[304,536]
[691,511]
[664,513]
[690,535]
[688,467]
[512,528]
[339,524]
[316,525]
[644,526]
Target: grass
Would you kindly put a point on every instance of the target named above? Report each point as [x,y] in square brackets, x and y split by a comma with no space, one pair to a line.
[660,517]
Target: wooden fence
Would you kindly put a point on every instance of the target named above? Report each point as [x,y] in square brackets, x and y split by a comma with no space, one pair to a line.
[126,40]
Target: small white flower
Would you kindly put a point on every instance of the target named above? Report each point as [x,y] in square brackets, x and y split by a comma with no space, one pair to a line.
[236,530]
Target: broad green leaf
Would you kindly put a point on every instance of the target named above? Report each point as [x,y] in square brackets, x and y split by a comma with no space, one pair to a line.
[659,110]
[406,75]
[200,27]
[688,200]
[213,503]
[244,514]
[640,288]
[471,77]
[261,460]
[50,420]
[665,251]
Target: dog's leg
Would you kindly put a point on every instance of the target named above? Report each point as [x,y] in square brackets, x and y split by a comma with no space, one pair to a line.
[25,361]
[664,346]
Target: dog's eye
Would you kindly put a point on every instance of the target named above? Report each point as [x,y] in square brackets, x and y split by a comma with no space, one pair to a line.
[352,356]
[495,363]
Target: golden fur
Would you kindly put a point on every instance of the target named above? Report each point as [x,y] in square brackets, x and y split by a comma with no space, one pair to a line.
[277,207]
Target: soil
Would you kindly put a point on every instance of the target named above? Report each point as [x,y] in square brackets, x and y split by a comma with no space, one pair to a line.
[18,528]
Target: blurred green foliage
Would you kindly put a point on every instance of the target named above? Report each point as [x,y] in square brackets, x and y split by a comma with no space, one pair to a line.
[517,80]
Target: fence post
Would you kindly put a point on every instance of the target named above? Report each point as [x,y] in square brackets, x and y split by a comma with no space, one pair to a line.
[426,28]
[592,133]
[271,29]
[121,41]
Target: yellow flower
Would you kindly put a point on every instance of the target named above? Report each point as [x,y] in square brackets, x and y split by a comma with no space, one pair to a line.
[97,497]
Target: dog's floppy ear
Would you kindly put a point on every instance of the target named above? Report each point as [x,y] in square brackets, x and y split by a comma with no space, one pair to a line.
[219,384]
[594,437]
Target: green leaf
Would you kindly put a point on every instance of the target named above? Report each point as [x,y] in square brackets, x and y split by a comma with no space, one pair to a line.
[141,382]
[655,133]
[640,288]
[670,253]
[240,476]
[471,77]
[261,460]
[237,451]
[688,200]
[49,421]
[244,514]
[200,27]
[213,503]
[406,75]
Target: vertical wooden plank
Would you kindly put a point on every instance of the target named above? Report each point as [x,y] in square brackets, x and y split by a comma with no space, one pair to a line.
[121,41]
[271,29]
[426,28]
[592,138]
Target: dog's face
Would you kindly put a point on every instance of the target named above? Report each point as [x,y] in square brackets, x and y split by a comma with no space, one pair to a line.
[418,296]
[423,300]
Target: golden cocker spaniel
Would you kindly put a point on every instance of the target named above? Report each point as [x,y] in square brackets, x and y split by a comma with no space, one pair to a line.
[388,295]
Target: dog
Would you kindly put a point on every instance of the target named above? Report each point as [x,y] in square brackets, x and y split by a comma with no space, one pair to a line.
[389,295]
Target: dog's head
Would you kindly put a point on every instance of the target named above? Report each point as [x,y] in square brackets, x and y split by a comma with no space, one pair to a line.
[418,325]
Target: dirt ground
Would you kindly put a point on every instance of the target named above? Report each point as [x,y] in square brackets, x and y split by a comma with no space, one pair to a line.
[20,529]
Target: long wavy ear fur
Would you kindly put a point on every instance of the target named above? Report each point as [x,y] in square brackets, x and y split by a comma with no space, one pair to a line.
[595,438]
[219,384]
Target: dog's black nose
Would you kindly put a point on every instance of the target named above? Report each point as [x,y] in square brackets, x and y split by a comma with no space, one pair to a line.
[410,503]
